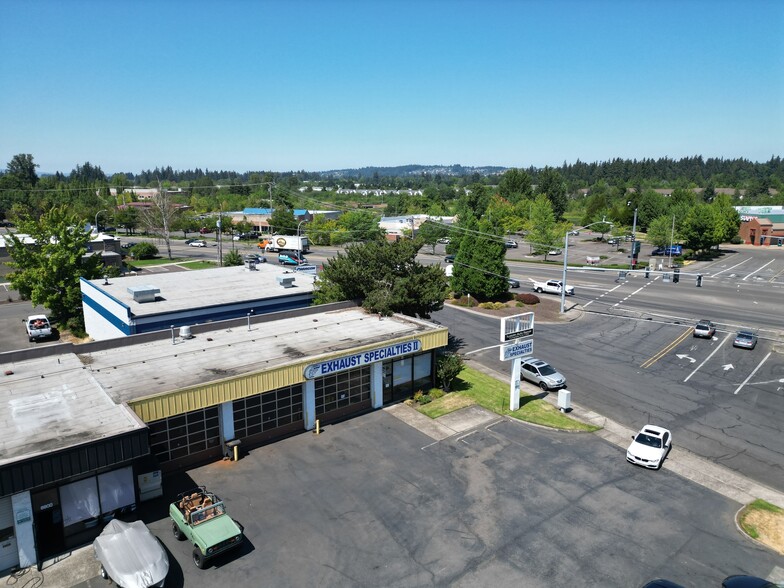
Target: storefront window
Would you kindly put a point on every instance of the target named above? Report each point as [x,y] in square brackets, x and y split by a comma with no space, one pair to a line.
[79,501]
[116,489]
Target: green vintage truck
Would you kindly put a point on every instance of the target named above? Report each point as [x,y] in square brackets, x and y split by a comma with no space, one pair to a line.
[200,517]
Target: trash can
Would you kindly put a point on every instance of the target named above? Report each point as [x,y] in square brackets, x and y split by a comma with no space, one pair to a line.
[234,448]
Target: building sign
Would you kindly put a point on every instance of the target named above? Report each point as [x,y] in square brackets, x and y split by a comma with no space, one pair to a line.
[341,364]
[23,515]
[517,349]
[746,218]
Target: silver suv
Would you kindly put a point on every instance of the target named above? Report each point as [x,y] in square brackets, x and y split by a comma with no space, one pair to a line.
[540,373]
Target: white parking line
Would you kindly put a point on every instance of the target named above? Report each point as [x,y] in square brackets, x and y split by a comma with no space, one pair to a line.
[759,270]
[732,267]
[706,359]
[751,375]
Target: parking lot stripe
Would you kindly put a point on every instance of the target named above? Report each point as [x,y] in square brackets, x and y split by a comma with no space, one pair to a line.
[707,358]
[731,267]
[751,375]
[759,270]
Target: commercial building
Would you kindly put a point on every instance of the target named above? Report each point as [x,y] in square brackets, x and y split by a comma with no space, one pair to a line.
[135,304]
[88,430]
[762,225]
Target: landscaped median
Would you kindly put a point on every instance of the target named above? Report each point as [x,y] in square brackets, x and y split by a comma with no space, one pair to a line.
[764,522]
[473,387]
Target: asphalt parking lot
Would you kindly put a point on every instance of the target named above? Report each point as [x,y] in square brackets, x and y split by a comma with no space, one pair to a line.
[373,501]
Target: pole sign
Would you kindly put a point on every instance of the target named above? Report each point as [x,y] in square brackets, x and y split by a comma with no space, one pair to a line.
[517,326]
[517,349]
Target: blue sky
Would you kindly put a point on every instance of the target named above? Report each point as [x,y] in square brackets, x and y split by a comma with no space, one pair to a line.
[318,85]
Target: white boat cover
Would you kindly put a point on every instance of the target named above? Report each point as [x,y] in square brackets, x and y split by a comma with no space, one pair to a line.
[131,555]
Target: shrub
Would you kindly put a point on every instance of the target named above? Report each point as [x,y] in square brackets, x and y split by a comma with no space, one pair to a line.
[736,240]
[232,258]
[144,250]
[436,393]
[527,298]
[448,366]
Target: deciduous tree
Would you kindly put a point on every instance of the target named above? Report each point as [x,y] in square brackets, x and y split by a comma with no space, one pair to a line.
[47,268]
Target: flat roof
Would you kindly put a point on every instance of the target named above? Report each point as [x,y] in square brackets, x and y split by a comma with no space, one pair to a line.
[185,290]
[53,403]
[148,369]
[67,399]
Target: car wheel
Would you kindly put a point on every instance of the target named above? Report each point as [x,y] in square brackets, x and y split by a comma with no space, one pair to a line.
[539,290]
[176,531]
[198,558]
[543,386]
[104,575]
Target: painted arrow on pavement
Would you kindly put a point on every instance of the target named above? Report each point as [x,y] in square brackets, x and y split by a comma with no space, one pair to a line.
[728,366]
[684,356]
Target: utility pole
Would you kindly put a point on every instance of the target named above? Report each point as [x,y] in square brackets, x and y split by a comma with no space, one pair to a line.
[634,237]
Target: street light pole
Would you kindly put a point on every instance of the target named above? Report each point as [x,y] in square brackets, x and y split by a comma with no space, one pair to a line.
[299,239]
[634,237]
[96,219]
[566,255]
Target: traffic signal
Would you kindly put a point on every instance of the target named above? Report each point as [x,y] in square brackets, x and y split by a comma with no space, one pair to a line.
[699,280]
[636,248]
[676,276]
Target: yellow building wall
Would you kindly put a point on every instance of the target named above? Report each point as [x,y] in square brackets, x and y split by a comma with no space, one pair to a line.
[153,408]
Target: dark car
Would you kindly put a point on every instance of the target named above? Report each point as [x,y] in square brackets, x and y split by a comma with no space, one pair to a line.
[449,258]
[662,584]
[510,244]
[513,283]
[746,582]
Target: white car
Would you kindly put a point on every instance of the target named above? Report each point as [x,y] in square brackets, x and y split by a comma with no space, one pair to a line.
[198,243]
[649,447]
[542,374]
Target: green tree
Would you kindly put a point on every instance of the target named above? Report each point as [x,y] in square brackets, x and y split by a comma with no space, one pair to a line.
[552,185]
[283,222]
[650,205]
[480,267]
[232,258]
[386,277]
[515,185]
[699,228]
[448,367]
[360,225]
[543,231]
[660,231]
[726,217]
[22,169]
[430,232]
[144,250]
[47,271]
[320,229]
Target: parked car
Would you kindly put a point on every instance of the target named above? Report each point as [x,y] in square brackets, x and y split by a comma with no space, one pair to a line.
[746,582]
[445,240]
[510,244]
[197,243]
[257,257]
[649,447]
[542,374]
[704,329]
[660,583]
[513,283]
[204,230]
[449,258]
[554,252]
[745,339]
[574,233]
[612,241]
[131,555]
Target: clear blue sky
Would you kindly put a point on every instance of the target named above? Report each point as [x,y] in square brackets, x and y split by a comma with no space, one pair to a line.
[317,85]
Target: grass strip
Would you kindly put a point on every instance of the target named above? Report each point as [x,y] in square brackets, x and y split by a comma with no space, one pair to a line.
[474,387]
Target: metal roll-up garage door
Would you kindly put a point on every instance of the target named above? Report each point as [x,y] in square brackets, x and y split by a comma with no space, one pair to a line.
[9,554]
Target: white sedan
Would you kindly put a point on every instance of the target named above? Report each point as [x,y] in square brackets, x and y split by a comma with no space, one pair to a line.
[198,243]
[649,447]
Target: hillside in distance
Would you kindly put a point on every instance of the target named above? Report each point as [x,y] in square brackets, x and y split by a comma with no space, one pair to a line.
[413,170]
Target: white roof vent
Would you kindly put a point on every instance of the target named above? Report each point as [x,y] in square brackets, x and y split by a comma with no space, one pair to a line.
[286,281]
[143,293]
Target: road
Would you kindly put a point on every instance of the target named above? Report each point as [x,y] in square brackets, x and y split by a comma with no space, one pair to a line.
[722,403]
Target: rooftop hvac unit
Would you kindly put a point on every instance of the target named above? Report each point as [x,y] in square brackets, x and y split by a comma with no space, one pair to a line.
[185,332]
[143,293]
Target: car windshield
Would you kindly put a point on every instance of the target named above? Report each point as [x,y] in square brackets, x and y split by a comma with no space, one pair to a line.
[744,336]
[648,440]
[546,370]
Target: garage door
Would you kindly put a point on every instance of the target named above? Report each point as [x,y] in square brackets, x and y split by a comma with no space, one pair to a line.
[9,554]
